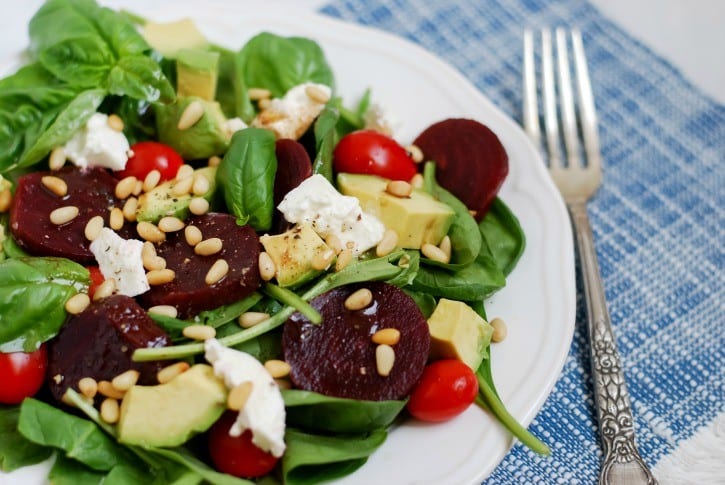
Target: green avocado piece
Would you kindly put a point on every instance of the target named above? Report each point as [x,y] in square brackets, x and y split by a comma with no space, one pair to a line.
[169,38]
[161,200]
[458,332]
[207,137]
[196,73]
[417,219]
[294,253]
[169,414]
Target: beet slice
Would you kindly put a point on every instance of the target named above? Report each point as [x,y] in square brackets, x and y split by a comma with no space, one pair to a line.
[188,292]
[470,160]
[293,167]
[99,343]
[337,357]
[91,190]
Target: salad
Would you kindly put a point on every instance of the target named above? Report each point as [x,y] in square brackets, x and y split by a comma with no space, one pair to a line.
[248,167]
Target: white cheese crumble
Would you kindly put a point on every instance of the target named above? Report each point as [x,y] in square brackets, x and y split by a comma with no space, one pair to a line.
[292,115]
[232,125]
[98,145]
[264,412]
[315,201]
[120,259]
[379,119]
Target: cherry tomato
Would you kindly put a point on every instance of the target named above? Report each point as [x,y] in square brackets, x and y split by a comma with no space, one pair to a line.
[21,374]
[150,155]
[446,388]
[96,279]
[371,152]
[237,456]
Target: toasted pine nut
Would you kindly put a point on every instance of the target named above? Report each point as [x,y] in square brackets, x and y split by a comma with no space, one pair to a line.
[384,359]
[473,212]
[88,387]
[200,186]
[277,368]
[359,299]
[270,115]
[105,388]
[126,380]
[171,371]
[182,186]
[115,122]
[500,330]
[199,206]
[56,159]
[415,153]
[321,261]
[267,268]
[255,94]
[138,188]
[214,161]
[185,171]
[250,319]
[170,224]
[129,209]
[148,250]
[445,246]
[125,187]
[105,289]
[6,198]
[417,181]
[63,215]
[164,310]
[154,263]
[149,232]
[199,332]
[217,272]
[387,243]
[388,336]
[77,303]
[193,235]
[264,104]
[435,253]
[116,219]
[239,395]
[207,247]
[399,188]
[334,243]
[55,184]
[93,227]
[110,411]
[151,180]
[343,259]
[160,276]
[317,94]
[190,116]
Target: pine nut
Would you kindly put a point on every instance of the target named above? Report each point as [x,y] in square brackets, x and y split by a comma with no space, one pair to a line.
[171,371]
[283,384]
[129,209]
[387,243]
[334,243]
[182,186]
[255,94]
[160,276]
[343,259]
[77,303]
[170,224]
[321,261]
[384,359]
[193,235]
[190,116]
[264,104]
[199,206]
[201,185]
[214,161]
[445,246]
[415,153]
[185,171]
[250,319]
[267,268]
[164,310]
[63,215]
[434,253]
[217,272]
[88,387]
[125,381]
[417,181]
[6,198]
[277,368]
[105,388]
[149,232]
[317,94]
[116,219]
[399,188]
[93,227]
[105,289]
[359,299]
[115,122]
[110,411]
[387,336]
[199,332]
[151,180]
[55,184]
[270,115]
[207,247]
[500,330]
[138,188]
[154,263]
[239,395]
[125,187]
[473,212]
[56,159]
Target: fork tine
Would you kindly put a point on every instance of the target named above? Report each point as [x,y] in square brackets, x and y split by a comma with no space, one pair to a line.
[531,110]
[587,110]
[551,126]
[566,98]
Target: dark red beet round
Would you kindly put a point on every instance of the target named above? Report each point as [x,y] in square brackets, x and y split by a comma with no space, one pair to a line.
[188,292]
[293,166]
[337,357]
[99,343]
[470,160]
[91,190]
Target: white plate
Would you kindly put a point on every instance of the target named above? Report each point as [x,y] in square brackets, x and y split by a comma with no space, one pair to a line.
[538,302]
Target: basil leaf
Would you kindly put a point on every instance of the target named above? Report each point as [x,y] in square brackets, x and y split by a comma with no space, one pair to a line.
[15,450]
[325,141]
[503,235]
[140,78]
[81,61]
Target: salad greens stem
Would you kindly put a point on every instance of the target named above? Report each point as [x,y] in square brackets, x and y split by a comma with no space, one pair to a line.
[292,299]
[429,181]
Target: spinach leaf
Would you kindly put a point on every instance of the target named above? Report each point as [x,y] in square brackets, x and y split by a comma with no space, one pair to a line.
[316,458]
[33,292]
[409,262]
[70,472]
[352,119]
[227,79]
[246,177]
[263,348]
[184,458]
[325,141]
[503,234]
[427,303]
[316,412]
[15,450]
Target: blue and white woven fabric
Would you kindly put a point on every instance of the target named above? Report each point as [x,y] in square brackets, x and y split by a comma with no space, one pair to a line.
[658,220]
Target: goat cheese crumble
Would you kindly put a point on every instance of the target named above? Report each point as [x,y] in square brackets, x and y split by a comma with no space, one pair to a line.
[120,259]
[98,145]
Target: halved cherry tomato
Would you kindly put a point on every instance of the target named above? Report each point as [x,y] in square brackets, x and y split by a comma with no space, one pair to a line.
[371,152]
[446,388]
[96,279]
[151,155]
[237,456]
[21,374]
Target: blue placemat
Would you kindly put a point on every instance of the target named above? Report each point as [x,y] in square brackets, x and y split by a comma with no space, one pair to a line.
[658,220]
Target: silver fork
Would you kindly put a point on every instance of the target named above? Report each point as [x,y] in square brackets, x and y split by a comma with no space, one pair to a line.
[578,179]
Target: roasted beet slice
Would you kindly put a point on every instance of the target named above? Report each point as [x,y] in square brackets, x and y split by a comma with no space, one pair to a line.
[188,292]
[293,166]
[470,160]
[337,357]
[99,343]
[90,190]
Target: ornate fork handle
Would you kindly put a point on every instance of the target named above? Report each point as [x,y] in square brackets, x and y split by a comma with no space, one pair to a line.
[622,464]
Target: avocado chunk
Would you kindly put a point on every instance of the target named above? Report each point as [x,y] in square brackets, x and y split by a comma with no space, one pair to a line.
[294,254]
[458,332]
[169,38]
[208,136]
[196,73]
[169,414]
[417,219]
[161,200]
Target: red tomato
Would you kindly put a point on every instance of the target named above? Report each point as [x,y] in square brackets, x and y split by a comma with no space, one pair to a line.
[237,456]
[446,388]
[21,374]
[150,155]
[371,152]
[96,279]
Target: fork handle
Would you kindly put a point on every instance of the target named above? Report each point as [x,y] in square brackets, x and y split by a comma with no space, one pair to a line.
[622,463]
